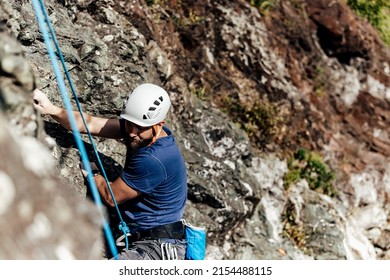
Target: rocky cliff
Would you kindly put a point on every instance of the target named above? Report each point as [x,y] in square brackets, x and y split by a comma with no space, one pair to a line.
[282,116]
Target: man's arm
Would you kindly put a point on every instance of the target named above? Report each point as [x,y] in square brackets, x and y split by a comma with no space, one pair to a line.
[109,128]
[121,191]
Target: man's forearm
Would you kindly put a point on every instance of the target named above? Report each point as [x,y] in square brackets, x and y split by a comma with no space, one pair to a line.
[61,116]
[103,190]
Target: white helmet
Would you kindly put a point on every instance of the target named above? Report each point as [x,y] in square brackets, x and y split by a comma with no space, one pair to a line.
[147,105]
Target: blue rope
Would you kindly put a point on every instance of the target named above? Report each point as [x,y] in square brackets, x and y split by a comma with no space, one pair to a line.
[122,225]
[40,11]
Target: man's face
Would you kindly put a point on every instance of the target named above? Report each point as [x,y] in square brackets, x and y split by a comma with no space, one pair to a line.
[139,136]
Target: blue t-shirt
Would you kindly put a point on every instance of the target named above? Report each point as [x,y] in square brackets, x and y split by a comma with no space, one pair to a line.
[159,173]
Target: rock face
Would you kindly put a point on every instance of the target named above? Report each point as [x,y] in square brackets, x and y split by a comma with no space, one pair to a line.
[39,214]
[248,90]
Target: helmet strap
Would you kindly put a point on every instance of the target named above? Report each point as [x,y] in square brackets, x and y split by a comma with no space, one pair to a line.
[156,133]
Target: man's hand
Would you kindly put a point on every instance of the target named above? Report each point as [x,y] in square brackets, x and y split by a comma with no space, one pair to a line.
[43,104]
[94,168]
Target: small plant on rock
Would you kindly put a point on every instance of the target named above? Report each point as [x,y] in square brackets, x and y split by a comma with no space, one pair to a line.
[377,12]
[260,120]
[291,230]
[263,5]
[310,166]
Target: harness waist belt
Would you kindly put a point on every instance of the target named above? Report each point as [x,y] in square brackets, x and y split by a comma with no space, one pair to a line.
[175,230]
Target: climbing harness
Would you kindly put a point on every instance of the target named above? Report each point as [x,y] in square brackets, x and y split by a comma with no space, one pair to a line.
[168,252]
[119,241]
[44,24]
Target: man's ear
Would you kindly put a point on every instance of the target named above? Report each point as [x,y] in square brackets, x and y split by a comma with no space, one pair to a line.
[161,123]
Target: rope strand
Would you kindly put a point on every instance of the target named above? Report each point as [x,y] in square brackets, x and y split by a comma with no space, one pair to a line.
[122,225]
[43,17]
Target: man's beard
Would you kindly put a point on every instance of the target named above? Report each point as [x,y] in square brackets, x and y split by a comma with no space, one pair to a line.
[137,143]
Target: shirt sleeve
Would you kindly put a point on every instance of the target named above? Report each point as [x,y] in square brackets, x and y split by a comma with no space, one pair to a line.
[144,173]
[122,127]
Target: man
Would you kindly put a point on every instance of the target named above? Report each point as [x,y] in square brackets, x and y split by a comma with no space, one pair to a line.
[152,188]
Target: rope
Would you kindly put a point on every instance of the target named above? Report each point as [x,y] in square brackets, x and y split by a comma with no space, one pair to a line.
[42,16]
[122,225]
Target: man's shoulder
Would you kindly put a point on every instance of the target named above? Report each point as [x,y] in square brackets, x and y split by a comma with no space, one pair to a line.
[167,131]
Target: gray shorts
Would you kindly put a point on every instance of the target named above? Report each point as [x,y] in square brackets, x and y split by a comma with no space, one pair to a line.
[158,249]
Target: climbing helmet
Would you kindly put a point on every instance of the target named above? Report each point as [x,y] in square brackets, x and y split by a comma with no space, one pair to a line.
[147,105]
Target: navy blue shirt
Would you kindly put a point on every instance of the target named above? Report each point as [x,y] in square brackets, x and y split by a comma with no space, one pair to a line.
[159,173]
